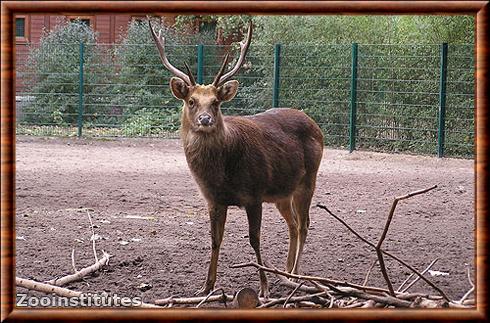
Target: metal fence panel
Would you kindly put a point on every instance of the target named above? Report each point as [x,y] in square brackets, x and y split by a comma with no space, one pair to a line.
[111,90]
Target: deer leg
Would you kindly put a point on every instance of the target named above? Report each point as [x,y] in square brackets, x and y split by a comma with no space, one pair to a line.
[217,214]
[285,209]
[301,207]
[254,215]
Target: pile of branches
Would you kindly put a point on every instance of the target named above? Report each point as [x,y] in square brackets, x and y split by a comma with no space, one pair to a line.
[318,292]
[321,292]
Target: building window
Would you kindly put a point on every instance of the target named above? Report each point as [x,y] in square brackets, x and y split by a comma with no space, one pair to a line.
[21,29]
[86,20]
[138,19]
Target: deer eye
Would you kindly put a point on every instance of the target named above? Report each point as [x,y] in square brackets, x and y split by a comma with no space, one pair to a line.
[191,103]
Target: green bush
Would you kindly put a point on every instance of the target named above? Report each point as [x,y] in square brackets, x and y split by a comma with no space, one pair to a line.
[53,70]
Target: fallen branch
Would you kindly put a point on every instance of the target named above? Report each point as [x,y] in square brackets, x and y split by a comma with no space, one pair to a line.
[423,273]
[45,288]
[60,291]
[82,273]
[404,282]
[468,293]
[369,272]
[385,231]
[210,294]
[321,206]
[315,298]
[292,293]
[310,278]
[192,300]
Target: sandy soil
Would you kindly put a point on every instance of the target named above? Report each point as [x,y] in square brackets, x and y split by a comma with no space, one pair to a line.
[141,191]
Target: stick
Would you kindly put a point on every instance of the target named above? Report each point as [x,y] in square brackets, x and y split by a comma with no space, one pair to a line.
[292,293]
[73,260]
[404,282]
[208,296]
[294,299]
[45,288]
[369,272]
[93,236]
[60,291]
[83,272]
[309,278]
[385,231]
[423,273]
[468,293]
[286,282]
[321,206]
[192,300]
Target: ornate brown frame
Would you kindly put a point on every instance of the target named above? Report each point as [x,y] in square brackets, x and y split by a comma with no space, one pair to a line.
[8,8]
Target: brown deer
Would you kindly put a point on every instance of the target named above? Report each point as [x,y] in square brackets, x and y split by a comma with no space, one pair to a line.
[246,160]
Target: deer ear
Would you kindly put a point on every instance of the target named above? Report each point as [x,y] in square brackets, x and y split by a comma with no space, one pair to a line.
[179,88]
[227,91]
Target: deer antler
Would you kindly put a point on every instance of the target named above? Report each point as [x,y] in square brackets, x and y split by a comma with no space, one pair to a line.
[160,42]
[244,45]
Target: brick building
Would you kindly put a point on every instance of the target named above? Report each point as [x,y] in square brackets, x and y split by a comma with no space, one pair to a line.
[29,28]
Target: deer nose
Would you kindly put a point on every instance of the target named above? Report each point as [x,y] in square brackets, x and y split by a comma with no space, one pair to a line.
[205,119]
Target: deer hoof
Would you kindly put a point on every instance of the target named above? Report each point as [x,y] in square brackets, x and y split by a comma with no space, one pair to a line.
[264,293]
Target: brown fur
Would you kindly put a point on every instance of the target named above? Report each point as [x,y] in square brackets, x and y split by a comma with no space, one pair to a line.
[268,157]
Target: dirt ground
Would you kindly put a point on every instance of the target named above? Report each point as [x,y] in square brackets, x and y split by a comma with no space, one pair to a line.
[140,191]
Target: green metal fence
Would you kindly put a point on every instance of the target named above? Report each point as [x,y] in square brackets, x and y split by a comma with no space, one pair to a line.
[394,98]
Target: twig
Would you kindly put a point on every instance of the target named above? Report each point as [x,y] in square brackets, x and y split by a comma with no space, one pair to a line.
[292,293]
[83,272]
[208,296]
[311,297]
[369,272]
[404,282]
[192,300]
[423,273]
[468,293]
[385,231]
[73,260]
[310,278]
[321,206]
[93,236]
[286,282]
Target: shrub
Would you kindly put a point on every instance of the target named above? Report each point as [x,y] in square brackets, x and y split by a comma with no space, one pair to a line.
[53,68]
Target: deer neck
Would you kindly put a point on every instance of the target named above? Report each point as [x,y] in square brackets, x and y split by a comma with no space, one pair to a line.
[204,149]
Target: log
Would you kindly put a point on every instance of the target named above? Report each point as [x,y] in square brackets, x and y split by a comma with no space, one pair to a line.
[246,298]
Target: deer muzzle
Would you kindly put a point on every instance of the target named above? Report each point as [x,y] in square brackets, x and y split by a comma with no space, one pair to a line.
[205,120]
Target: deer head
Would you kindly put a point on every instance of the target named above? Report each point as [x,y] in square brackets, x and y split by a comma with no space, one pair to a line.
[202,103]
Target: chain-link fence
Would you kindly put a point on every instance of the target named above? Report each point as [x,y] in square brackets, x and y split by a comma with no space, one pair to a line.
[394,98]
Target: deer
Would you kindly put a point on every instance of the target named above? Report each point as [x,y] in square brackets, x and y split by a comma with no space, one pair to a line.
[244,161]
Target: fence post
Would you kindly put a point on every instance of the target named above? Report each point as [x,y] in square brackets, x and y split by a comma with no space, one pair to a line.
[200,64]
[80,90]
[441,129]
[277,69]
[353,99]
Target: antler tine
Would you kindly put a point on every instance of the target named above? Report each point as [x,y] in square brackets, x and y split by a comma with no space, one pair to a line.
[191,76]
[221,70]
[244,45]
[160,42]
